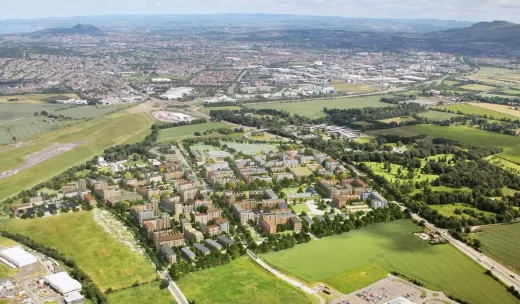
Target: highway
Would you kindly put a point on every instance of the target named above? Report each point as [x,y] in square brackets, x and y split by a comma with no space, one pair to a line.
[500,271]
[287,279]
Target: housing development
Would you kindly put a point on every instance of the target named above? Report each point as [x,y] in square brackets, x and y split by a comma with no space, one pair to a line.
[259,159]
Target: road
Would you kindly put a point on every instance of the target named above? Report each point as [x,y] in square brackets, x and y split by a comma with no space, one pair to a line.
[500,271]
[287,279]
[231,88]
[174,289]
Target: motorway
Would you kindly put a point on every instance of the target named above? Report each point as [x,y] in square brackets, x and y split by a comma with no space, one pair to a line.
[287,279]
[500,271]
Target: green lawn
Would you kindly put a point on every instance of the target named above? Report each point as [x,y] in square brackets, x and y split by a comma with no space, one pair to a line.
[392,246]
[298,208]
[436,115]
[448,210]
[108,262]
[501,244]
[207,110]
[474,110]
[172,134]
[251,149]
[145,293]
[241,281]
[301,171]
[314,108]
[357,278]
[96,135]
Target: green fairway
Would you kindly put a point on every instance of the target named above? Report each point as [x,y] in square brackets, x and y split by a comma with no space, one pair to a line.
[314,108]
[241,281]
[392,246]
[474,110]
[108,262]
[207,110]
[436,115]
[145,293]
[96,135]
[501,244]
[175,133]
[251,149]
[448,210]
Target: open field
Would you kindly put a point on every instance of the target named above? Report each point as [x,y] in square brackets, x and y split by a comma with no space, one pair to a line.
[108,262]
[26,128]
[501,244]
[392,246]
[450,82]
[176,133]
[12,112]
[448,210]
[357,278]
[436,115]
[90,111]
[497,76]
[397,119]
[32,98]
[394,131]
[251,149]
[392,176]
[241,281]
[504,164]
[510,92]
[145,293]
[298,208]
[477,87]
[472,109]
[97,135]
[207,110]
[497,108]
[353,87]
[314,108]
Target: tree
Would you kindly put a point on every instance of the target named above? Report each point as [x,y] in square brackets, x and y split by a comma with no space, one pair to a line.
[164,284]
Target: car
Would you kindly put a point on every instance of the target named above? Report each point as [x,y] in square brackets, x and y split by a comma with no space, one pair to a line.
[513,276]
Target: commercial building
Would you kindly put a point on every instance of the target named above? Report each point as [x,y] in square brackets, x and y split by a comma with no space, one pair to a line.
[18,257]
[63,283]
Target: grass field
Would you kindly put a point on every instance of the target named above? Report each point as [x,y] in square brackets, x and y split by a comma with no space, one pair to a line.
[497,76]
[145,293]
[436,115]
[301,171]
[207,110]
[298,208]
[477,87]
[12,112]
[314,108]
[501,244]
[394,131]
[498,108]
[241,281]
[510,92]
[448,210]
[108,262]
[251,149]
[89,111]
[97,135]
[353,87]
[397,119]
[391,176]
[504,164]
[32,98]
[393,247]
[470,109]
[450,82]
[176,133]
[357,278]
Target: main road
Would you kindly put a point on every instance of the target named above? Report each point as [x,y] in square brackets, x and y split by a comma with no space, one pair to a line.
[500,271]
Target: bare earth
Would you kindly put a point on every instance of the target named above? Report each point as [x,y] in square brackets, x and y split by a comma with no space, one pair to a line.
[390,288]
[40,156]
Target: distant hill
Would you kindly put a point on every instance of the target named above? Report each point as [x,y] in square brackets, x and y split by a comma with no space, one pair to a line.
[79,29]
[484,31]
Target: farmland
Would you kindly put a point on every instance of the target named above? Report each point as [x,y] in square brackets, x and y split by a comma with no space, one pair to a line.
[145,293]
[477,87]
[437,115]
[497,76]
[450,82]
[177,133]
[470,109]
[497,108]
[108,262]
[397,119]
[314,108]
[241,281]
[89,111]
[32,98]
[97,135]
[13,112]
[207,110]
[395,131]
[353,87]
[501,244]
[393,247]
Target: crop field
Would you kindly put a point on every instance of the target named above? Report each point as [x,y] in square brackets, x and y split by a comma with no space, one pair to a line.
[448,210]
[497,76]
[173,134]
[393,247]
[477,87]
[472,109]
[394,131]
[353,87]
[241,281]
[498,108]
[108,262]
[207,110]
[501,244]
[97,135]
[21,132]
[314,108]
[251,149]
[510,92]
[397,119]
[32,98]
[450,82]
[437,116]
[145,293]
[13,112]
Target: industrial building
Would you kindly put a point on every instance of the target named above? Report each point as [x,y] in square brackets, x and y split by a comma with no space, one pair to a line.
[18,257]
[63,283]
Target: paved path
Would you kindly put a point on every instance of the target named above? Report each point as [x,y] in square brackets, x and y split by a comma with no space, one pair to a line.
[174,289]
[287,279]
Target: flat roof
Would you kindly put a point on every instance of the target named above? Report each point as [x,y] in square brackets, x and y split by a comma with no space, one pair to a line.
[18,256]
[62,282]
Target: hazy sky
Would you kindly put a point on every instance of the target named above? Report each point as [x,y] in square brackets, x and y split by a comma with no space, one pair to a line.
[473,10]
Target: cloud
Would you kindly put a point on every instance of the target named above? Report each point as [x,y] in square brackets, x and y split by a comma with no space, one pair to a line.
[474,10]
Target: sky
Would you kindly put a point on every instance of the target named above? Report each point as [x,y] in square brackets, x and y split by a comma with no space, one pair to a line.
[468,10]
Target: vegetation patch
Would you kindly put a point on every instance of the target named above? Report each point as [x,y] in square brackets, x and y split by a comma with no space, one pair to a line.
[251,149]
[477,87]
[207,110]
[437,115]
[176,133]
[394,131]
[501,244]
[457,210]
[144,293]
[505,109]
[357,278]
[353,87]
[472,109]
[397,119]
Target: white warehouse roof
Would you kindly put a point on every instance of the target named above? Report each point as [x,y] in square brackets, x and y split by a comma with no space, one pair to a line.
[63,283]
[18,256]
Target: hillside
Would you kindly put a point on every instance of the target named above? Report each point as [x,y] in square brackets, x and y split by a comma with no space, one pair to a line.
[484,31]
[79,29]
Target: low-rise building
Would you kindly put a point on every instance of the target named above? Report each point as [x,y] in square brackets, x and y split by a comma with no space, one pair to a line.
[203,250]
[211,244]
[225,241]
[168,254]
[188,254]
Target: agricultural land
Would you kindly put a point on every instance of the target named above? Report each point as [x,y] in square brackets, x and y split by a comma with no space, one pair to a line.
[501,244]
[473,109]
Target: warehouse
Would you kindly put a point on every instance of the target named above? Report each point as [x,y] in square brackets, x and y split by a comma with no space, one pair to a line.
[63,283]
[18,257]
